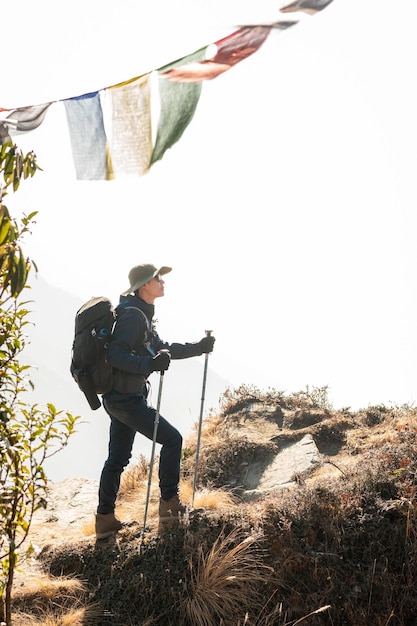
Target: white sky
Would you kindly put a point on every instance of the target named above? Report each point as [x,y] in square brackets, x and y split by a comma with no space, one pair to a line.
[287,210]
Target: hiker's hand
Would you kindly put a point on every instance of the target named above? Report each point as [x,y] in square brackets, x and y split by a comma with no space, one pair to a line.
[161,361]
[207,343]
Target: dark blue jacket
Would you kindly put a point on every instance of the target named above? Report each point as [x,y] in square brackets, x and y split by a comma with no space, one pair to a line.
[127,352]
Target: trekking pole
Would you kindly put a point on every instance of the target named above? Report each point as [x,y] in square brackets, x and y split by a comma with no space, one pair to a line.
[155,431]
[203,391]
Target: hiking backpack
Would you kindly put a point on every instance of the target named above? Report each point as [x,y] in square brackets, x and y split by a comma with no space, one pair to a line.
[94,323]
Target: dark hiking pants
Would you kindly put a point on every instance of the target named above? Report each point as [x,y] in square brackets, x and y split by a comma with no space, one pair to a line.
[130,414]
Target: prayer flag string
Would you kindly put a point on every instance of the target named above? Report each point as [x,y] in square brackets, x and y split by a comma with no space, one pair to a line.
[112,130]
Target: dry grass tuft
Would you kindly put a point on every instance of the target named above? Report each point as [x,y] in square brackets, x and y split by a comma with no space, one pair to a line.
[88,529]
[48,601]
[74,617]
[224,581]
[213,499]
[211,428]
[134,475]
[46,588]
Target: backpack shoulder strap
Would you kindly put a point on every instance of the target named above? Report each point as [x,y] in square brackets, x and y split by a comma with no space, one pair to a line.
[148,323]
[148,333]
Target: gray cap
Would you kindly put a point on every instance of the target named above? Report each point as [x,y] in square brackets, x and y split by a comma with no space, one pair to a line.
[142,274]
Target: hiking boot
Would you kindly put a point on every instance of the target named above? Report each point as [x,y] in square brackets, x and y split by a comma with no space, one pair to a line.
[106,525]
[172,512]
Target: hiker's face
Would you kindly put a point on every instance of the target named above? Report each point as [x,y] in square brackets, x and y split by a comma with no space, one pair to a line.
[153,289]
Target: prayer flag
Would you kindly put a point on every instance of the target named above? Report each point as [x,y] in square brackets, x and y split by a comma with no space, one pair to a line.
[27,118]
[308,6]
[228,51]
[178,103]
[131,133]
[88,137]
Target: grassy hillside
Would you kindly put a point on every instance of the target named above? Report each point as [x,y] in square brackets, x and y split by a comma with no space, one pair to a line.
[337,545]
